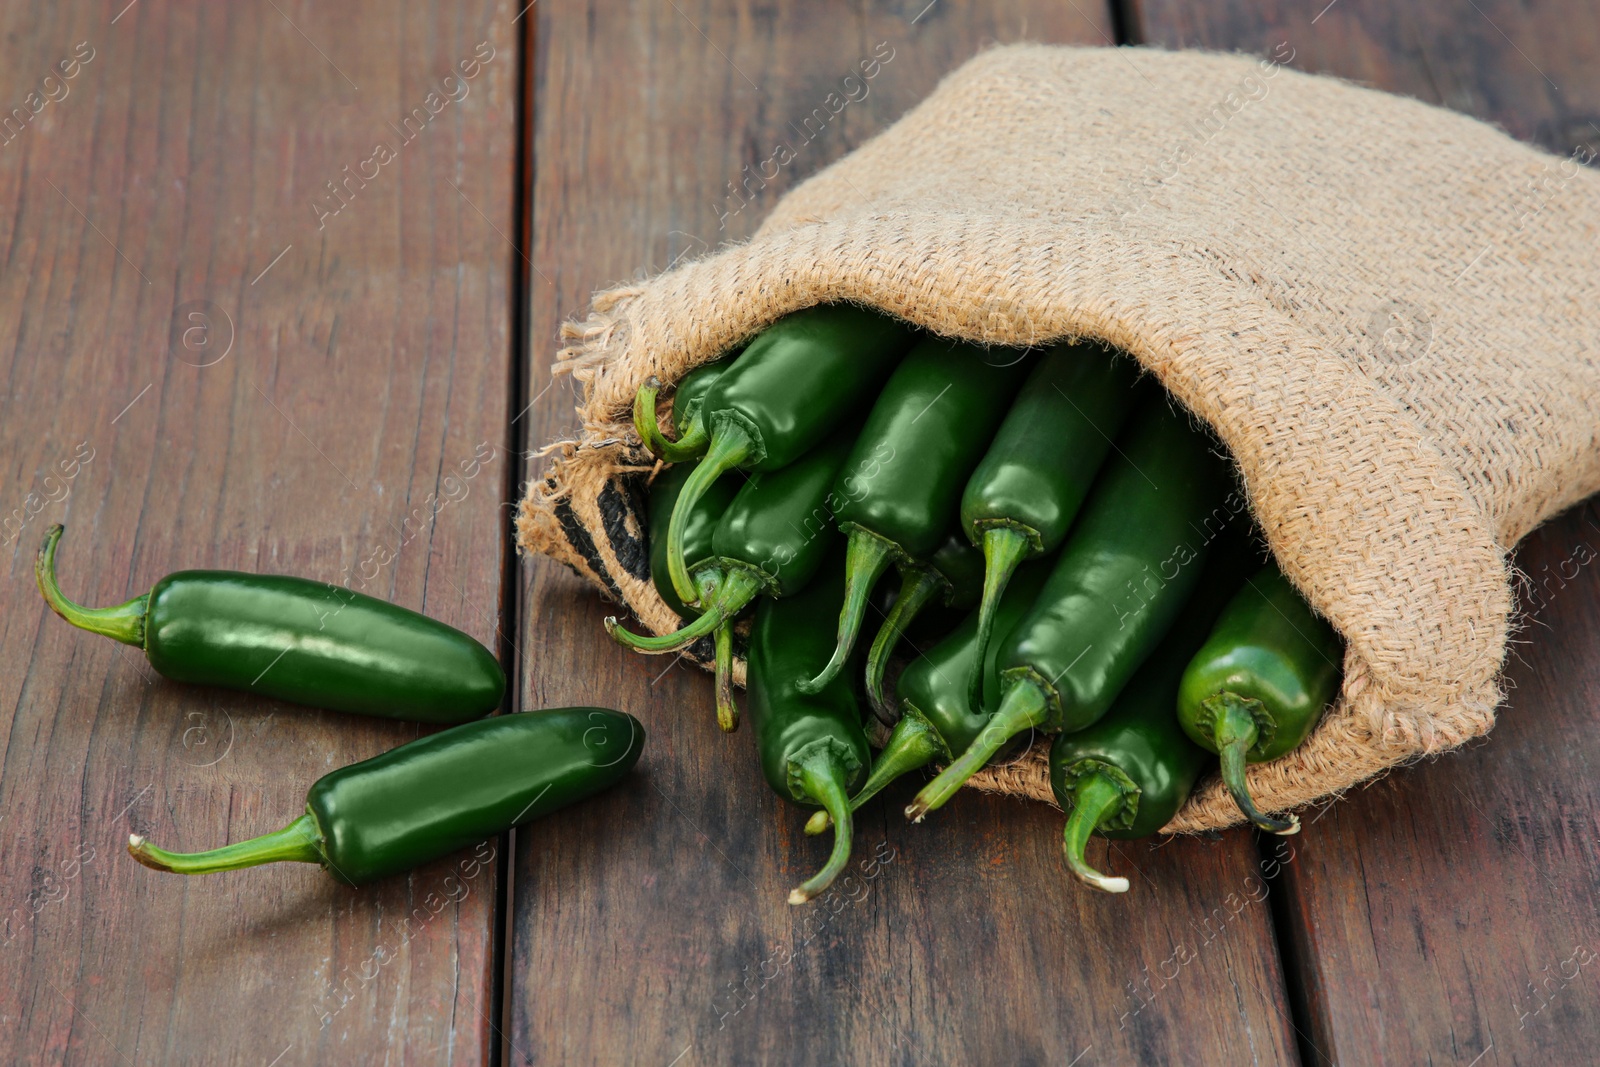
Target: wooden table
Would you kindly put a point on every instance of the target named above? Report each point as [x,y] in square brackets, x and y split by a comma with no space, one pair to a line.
[237,334]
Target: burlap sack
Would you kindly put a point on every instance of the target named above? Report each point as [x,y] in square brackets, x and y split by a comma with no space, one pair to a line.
[1388,313]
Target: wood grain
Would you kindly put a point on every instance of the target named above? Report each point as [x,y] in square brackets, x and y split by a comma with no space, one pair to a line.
[1528,70]
[1446,913]
[650,926]
[264,385]
[1451,910]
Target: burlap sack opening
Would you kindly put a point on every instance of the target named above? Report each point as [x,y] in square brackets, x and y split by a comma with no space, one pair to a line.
[1386,311]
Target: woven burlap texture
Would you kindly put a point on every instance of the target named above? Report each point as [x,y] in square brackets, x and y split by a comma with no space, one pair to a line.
[1387,312]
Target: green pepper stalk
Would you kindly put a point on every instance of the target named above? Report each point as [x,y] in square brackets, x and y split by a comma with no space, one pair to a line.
[936,721]
[955,573]
[771,539]
[1127,775]
[707,512]
[1024,494]
[812,747]
[1259,685]
[783,396]
[687,403]
[698,533]
[306,642]
[1118,585]
[1100,796]
[435,795]
[896,494]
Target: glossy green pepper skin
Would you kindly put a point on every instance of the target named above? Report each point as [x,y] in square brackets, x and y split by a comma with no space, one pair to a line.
[1028,488]
[1116,588]
[771,539]
[687,404]
[954,573]
[435,795]
[811,745]
[1128,774]
[792,386]
[778,523]
[1258,687]
[930,426]
[307,642]
[697,534]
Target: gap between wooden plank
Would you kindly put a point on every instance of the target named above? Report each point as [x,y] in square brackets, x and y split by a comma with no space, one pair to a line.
[516,475]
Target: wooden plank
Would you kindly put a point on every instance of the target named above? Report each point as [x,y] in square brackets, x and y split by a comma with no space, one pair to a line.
[1450,910]
[1447,914]
[252,372]
[650,926]
[1530,71]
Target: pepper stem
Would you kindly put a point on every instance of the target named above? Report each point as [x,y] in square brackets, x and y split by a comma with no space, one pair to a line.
[917,586]
[822,776]
[866,557]
[732,446]
[706,624]
[1096,797]
[737,587]
[1023,707]
[912,744]
[1234,732]
[299,842]
[648,426]
[1004,549]
[124,623]
[727,709]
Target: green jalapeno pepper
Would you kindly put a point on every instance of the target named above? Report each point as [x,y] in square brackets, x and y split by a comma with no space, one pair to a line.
[899,489]
[792,386]
[1128,774]
[772,538]
[955,572]
[1258,686]
[697,537]
[688,401]
[307,642]
[1026,491]
[937,720]
[812,747]
[1120,581]
[435,795]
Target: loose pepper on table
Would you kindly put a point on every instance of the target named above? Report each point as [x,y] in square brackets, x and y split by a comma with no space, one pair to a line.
[1258,686]
[307,642]
[937,720]
[899,489]
[955,571]
[688,402]
[1024,494]
[812,747]
[802,377]
[698,533]
[435,795]
[771,538]
[1119,582]
[1128,774]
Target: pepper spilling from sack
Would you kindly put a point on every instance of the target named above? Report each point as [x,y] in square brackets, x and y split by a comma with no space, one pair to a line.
[1116,596]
